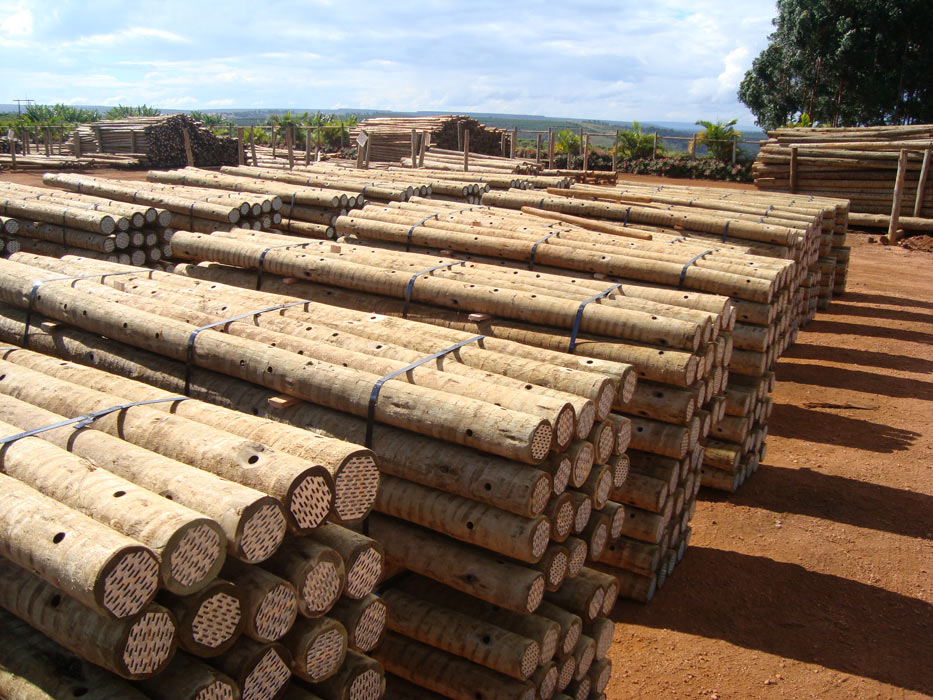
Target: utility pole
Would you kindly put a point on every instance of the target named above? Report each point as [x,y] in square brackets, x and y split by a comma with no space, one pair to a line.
[19,105]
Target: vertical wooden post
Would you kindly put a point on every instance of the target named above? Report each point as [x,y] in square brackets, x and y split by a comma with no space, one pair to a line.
[514,141]
[252,145]
[502,144]
[290,143]
[460,135]
[538,150]
[615,153]
[550,147]
[132,140]
[189,154]
[47,137]
[369,141]
[898,196]
[654,147]
[922,183]
[275,139]
[240,155]
[308,146]
[581,142]
[586,152]
[77,144]
[694,149]
[425,137]
[466,150]
[735,148]
[11,139]
[317,147]
[793,169]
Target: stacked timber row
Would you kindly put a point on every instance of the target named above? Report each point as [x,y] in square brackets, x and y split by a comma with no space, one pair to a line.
[281,604]
[859,164]
[158,141]
[444,510]
[443,159]
[393,137]
[750,304]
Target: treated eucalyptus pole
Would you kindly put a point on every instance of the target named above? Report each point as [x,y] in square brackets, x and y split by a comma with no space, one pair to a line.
[240,156]
[414,148]
[586,152]
[538,150]
[922,182]
[290,144]
[615,153]
[189,154]
[654,146]
[550,147]
[514,144]
[794,168]
[466,150]
[898,196]
[307,147]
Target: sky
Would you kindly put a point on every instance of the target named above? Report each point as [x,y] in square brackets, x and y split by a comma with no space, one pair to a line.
[664,60]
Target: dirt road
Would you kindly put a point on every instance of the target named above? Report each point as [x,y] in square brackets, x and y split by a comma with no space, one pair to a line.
[816,579]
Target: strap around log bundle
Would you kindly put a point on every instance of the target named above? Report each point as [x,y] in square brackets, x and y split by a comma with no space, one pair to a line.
[262,258]
[579,316]
[683,273]
[87,418]
[411,282]
[377,387]
[534,248]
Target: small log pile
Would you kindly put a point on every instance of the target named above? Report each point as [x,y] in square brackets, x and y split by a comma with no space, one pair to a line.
[453,160]
[391,137]
[159,141]
[855,163]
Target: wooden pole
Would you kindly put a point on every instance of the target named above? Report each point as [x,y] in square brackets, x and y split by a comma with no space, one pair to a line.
[538,150]
[793,169]
[366,152]
[414,148]
[290,143]
[694,147]
[922,183]
[654,146]
[308,146]
[735,148]
[550,147]
[514,141]
[189,154]
[466,150]
[425,137]
[240,154]
[586,152]
[898,196]
[252,145]
[12,142]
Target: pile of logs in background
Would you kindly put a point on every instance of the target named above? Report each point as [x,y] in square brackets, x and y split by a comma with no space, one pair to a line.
[391,136]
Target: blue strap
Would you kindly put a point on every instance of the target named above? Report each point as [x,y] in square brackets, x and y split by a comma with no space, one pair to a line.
[377,387]
[674,240]
[579,317]
[411,282]
[87,418]
[683,273]
[30,307]
[262,258]
[625,220]
[411,231]
[189,349]
[725,232]
[534,248]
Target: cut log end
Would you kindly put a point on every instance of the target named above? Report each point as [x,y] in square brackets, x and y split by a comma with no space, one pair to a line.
[548,683]
[267,677]
[218,690]
[310,502]
[557,570]
[355,487]
[541,441]
[364,573]
[606,398]
[564,428]
[598,540]
[541,495]
[277,612]
[603,488]
[370,627]
[217,621]
[322,587]
[131,582]
[325,654]
[606,444]
[197,557]
[582,517]
[540,538]
[578,556]
[366,686]
[150,644]
[565,674]
[535,594]
[262,533]
[582,465]
[550,642]
[586,419]
[595,608]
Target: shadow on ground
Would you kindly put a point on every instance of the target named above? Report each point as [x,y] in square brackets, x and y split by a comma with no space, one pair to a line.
[863,358]
[787,610]
[833,429]
[854,380]
[862,298]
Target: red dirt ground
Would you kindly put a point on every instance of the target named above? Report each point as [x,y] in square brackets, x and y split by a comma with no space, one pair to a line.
[814,581]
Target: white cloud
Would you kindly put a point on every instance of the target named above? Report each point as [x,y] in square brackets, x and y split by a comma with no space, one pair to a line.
[18,23]
[126,35]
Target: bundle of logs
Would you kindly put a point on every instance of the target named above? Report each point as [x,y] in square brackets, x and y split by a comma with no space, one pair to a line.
[860,164]
[443,159]
[499,460]
[391,137]
[159,141]
[158,546]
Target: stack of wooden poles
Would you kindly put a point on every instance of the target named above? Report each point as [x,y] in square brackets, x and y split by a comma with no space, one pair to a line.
[450,160]
[856,163]
[490,452]
[137,521]
[391,138]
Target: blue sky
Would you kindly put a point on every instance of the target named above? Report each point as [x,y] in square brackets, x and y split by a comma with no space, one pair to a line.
[672,60]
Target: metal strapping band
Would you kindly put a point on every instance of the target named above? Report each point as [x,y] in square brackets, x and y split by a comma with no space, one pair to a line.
[30,307]
[87,418]
[628,211]
[411,231]
[683,273]
[579,317]
[411,282]
[189,349]
[541,203]
[262,258]
[725,232]
[674,240]
[377,387]
[534,248]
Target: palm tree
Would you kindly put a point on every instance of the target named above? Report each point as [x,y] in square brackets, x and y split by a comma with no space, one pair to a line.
[718,137]
[635,143]
[567,142]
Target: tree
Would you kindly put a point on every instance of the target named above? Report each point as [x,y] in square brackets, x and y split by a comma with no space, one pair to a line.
[566,141]
[635,143]
[122,111]
[845,63]
[718,138]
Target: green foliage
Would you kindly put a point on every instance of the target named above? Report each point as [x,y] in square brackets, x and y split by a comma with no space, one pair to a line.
[57,114]
[804,121]
[566,141]
[844,63]
[209,119]
[123,111]
[635,143]
[718,137]
[685,166]
[328,132]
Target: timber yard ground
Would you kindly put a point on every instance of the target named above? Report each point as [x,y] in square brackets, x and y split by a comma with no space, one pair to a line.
[816,579]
